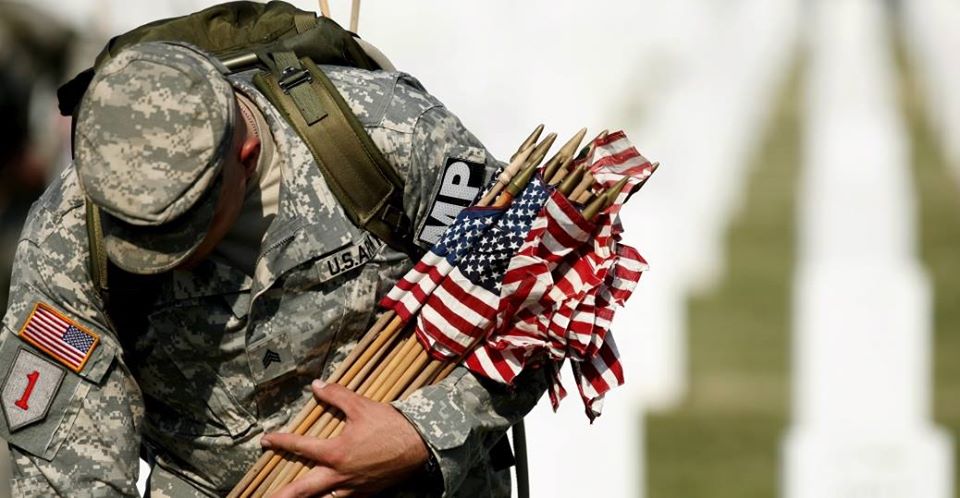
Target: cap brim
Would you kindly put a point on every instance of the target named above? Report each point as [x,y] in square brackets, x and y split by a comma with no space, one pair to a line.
[149,250]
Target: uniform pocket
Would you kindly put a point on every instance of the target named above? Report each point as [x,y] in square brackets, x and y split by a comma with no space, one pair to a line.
[192,369]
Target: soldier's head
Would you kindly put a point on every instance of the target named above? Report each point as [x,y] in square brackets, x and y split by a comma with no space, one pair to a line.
[162,150]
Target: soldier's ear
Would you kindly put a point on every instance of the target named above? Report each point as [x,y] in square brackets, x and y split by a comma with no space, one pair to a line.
[250,153]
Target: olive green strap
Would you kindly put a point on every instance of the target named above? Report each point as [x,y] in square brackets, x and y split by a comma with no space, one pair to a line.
[366,185]
[304,21]
[98,255]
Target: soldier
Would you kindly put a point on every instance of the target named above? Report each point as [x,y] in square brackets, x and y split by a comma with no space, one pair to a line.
[241,280]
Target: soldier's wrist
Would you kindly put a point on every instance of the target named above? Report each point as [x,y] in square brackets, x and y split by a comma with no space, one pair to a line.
[432,475]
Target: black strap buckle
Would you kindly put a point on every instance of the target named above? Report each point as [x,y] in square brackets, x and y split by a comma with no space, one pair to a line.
[396,219]
[291,77]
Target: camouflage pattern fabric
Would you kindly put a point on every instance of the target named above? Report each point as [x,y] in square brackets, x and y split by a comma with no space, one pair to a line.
[211,359]
[146,177]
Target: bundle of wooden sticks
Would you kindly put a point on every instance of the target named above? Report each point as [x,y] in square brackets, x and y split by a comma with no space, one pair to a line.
[389,362]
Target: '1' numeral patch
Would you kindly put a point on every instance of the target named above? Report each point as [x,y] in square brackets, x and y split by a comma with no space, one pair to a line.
[29,388]
[460,184]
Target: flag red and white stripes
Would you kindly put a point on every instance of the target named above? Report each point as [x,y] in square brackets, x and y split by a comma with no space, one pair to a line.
[59,336]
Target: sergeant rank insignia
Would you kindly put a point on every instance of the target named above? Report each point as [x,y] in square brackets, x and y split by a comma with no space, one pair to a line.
[29,389]
[60,337]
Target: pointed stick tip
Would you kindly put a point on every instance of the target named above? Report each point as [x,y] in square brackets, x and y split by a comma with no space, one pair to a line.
[570,182]
[594,207]
[540,151]
[529,141]
[614,191]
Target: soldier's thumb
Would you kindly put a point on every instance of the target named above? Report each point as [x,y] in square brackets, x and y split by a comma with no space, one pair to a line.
[337,396]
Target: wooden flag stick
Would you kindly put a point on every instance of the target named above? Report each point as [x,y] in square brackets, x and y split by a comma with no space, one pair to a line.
[427,376]
[564,155]
[584,198]
[369,356]
[540,151]
[403,381]
[571,182]
[532,139]
[524,176]
[505,176]
[559,175]
[585,183]
[355,376]
[398,356]
[413,358]
[369,339]
[397,384]
[355,16]
[325,8]
[587,150]
[518,162]
[396,368]
[613,192]
[604,200]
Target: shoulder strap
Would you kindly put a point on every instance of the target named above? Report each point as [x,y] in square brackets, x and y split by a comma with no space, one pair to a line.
[366,185]
[98,255]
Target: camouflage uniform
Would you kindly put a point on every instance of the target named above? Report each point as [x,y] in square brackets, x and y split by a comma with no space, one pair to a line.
[206,361]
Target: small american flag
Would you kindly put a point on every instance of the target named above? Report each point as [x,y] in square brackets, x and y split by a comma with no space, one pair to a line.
[60,337]
[411,291]
[528,287]
[465,303]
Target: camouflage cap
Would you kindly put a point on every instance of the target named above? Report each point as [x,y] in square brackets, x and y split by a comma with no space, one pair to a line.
[151,133]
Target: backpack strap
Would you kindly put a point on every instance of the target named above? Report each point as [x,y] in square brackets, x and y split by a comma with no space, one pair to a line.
[98,255]
[366,185]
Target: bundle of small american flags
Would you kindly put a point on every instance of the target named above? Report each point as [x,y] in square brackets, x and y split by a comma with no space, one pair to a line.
[534,283]
[529,277]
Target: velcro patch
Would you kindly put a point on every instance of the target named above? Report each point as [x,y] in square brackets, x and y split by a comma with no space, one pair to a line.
[460,183]
[29,388]
[60,337]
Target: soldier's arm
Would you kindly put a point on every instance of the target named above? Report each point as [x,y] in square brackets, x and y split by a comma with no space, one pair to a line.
[70,408]
[463,417]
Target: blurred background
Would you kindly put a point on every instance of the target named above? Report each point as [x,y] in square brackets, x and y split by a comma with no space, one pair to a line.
[798,333]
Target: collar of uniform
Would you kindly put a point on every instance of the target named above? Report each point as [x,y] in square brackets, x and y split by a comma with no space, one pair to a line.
[310,221]
[213,278]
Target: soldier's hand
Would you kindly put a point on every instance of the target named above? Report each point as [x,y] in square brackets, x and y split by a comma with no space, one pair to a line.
[377,448]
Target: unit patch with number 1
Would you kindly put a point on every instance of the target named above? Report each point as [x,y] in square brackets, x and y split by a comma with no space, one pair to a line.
[29,388]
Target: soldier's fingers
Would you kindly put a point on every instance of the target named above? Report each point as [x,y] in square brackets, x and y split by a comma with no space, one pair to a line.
[347,401]
[320,481]
[311,448]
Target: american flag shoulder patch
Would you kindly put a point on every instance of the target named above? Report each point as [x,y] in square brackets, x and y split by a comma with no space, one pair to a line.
[60,337]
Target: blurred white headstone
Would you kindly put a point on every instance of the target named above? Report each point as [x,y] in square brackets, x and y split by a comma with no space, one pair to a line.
[933,39]
[862,303]
[703,127]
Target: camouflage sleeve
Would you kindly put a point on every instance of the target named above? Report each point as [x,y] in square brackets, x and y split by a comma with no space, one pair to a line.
[70,408]
[448,168]
[462,417]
